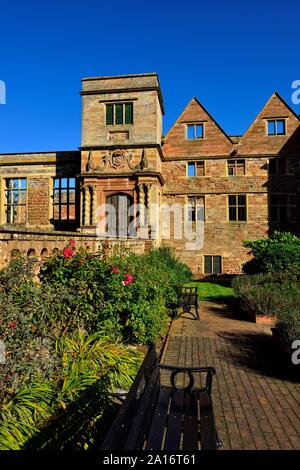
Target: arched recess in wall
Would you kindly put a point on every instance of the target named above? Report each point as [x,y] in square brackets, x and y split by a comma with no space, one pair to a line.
[44,254]
[31,253]
[15,253]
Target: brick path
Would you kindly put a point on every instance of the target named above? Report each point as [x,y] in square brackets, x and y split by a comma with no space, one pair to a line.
[256,395]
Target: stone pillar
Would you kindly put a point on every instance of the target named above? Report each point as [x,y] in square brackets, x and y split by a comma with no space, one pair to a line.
[94,204]
[142,204]
[86,210]
[149,202]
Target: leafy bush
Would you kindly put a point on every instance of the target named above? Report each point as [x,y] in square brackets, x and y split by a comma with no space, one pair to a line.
[65,410]
[127,294]
[64,336]
[276,295]
[279,252]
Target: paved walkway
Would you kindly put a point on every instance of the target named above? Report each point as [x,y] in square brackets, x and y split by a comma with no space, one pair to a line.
[256,396]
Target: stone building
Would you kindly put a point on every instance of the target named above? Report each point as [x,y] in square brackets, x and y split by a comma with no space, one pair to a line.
[127,183]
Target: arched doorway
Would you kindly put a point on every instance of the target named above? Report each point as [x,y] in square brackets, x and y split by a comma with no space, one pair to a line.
[119,216]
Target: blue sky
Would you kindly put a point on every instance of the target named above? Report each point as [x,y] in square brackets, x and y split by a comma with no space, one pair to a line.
[232,55]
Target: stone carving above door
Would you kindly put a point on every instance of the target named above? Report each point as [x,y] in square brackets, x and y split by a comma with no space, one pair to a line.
[117,160]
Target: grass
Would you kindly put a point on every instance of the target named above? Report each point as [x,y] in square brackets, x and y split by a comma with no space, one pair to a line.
[218,290]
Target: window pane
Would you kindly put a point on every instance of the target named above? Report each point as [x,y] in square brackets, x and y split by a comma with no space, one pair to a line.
[282,210]
[271,127]
[240,167]
[119,113]
[208,264]
[191,169]
[232,213]
[109,114]
[190,132]
[200,168]
[200,213]
[216,264]
[280,127]
[232,200]
[230,168]
[23,183]
[64,182]
[241,213]
[241,200]
[128,113]
[199,131]
[71,182]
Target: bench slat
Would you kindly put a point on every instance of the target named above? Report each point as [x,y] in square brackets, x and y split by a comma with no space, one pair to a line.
[174,425]
[159,420]
[190,427]
[207,425]
[145,408]
[121,426]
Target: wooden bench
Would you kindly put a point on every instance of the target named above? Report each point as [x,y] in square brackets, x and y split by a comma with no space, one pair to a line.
[158,415]
[188,298]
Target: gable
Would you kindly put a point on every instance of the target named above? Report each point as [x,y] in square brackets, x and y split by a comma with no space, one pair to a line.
[256,139]
[214,141]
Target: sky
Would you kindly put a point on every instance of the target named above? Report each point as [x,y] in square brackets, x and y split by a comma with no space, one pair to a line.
[231,55]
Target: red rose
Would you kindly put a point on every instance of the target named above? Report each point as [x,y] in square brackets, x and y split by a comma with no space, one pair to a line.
[115,270]
[72,243]
[68,252]
[12,324]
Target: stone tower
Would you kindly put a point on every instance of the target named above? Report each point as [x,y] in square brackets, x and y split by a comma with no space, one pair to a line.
[121,155]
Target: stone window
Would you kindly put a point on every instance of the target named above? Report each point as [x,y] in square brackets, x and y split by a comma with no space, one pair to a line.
[196,212]
[276,127]
[278,166]
[212,264]
[119,113]
[16,200]
[282,207]
[237,208]
[235,167]
[64,199]
[195,169]
[195,131]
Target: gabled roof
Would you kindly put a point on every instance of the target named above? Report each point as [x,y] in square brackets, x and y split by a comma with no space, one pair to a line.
[215,141]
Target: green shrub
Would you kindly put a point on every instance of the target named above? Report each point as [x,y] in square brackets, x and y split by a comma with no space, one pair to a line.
[279,252]
[65,411]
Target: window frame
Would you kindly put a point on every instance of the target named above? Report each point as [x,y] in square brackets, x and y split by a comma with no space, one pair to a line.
[212,264]
[114,113]
[288,207]
[236,162]
[60,204]
[9,214]
[277,161]
[194,125]
[237,206]
[196,166]
[275,121]
[195,208]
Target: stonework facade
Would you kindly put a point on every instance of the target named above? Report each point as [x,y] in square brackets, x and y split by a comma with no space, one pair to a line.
[234,188]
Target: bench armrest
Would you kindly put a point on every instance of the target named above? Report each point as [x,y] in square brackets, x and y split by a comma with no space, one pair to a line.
[210,372]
